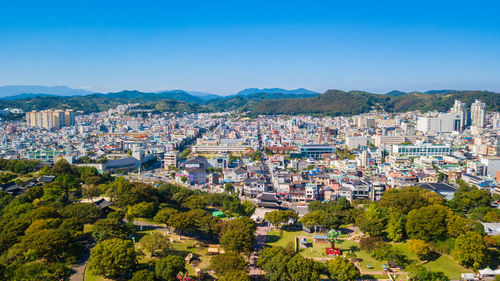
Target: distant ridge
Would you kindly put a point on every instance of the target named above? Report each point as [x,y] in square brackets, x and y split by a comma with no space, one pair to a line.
[203,95]
[332,102]
[396,93]
[300,91]
[26,96]
[13,90]
[178,95]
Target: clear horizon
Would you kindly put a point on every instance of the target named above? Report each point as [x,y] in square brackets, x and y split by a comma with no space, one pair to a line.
[223,47]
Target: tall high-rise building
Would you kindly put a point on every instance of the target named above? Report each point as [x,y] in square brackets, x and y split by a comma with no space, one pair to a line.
[459,108]
[478,114]
[439,123]
[69,117]
[50,119]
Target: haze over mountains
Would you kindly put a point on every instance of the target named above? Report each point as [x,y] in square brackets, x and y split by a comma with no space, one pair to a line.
[13,92]
[256,101]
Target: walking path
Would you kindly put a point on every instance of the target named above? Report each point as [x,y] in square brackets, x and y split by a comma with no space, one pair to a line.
[260,241]
[78,269]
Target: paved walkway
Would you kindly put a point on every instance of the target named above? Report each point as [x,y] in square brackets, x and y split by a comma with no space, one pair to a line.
[78,270]
[260,241]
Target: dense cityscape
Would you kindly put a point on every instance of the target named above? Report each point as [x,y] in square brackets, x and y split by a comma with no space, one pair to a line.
[369,196]
[249,140]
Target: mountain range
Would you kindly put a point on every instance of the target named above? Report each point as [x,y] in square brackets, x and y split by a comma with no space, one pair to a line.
[14,90]
[25,91]
[256,101]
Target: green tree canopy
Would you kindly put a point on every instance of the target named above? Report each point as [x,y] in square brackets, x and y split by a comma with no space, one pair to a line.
[428,223]
[155,243]
[166,269]
[109,228]
[342,269]
[113,258]
[470,250]
[239,235]
[228,262]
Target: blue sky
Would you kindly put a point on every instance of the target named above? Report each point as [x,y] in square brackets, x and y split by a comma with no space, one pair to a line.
[225,46]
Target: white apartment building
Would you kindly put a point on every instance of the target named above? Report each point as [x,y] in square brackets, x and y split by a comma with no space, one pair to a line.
[421,149]
[478,114]
[460,109]
[439,123]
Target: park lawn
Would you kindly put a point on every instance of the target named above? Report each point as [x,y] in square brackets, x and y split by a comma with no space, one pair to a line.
[318,249]
[283,238]
[367,262]
[181,248]
[146,220]
[90,277]
[444,263]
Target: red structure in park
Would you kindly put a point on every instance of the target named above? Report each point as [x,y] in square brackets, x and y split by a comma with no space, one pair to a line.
[333,236]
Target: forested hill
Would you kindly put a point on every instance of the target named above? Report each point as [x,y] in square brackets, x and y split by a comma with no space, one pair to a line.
[332,102]
[336,102]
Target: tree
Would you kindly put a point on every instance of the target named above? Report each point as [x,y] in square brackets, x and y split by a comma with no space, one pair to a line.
[249,208]
[109,228]
[142,210]
[50,244]
[164,215]
[235,275]
[91,192]
[457,225]
[280,217]
[239,235]
[395,227]
[227,262]
[194,202]
[369,243]
[428,223]
[155,243]
[470,250]
[184,179]
[42,224]
[371,221]
[467,198]
[341,269]
[491,217]
[86,213]
[166,269]
[313,218]
[183,221]
[113,258]
[143,275]
[61,167]
[420,248]
[228,187]
[404,200]
[40,271]
[44,212]
[275,264]
[303,269]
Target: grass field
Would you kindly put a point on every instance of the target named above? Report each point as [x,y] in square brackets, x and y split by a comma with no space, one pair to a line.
[444,263]
[90,277]
[181,248]
[368,264]
[284,238]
